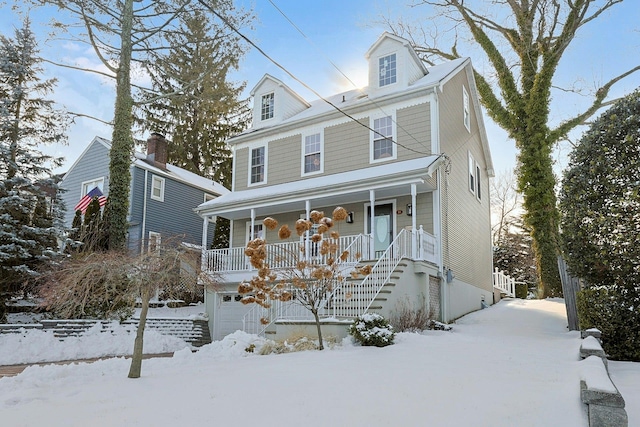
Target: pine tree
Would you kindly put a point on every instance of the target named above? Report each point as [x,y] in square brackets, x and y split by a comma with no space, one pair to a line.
[28,236]
[202,116]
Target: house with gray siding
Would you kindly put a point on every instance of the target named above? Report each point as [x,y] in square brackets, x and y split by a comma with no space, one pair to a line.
[162,196]
[407,154]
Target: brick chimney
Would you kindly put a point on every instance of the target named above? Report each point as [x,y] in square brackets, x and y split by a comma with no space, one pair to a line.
[157,150]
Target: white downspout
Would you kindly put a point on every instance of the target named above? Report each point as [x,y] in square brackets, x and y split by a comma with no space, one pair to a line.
[144,212]
[203,256]
[437,201]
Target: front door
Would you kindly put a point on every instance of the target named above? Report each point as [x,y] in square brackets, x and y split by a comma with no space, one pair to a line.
[383,227]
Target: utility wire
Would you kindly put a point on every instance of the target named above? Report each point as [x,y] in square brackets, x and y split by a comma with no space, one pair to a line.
[276,63]
[346,77]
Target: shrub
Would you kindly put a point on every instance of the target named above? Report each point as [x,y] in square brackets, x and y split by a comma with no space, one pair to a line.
[407,318]
[615,313]
[372,329]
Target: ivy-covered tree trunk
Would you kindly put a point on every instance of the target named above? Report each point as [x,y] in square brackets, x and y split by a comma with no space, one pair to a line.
[521,44]
[122,139]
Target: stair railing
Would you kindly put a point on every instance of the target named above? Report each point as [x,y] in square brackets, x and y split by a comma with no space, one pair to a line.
[350,300]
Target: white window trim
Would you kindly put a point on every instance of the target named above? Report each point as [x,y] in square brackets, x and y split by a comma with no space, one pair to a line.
[273,108]
[91,181]
[474,171]
[471,173]
[394,135]
[248,229]
[478,182]
[156,238]
[154,179]
[304,154]
[378,69]
[266,157]
[466,111]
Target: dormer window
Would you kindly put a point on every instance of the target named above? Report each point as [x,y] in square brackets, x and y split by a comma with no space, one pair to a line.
[266,111]
[387,70]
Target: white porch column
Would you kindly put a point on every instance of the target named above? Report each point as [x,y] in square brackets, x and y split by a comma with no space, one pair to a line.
[253,223]
[204,265]
[414,221]
[372,216]
[307,240]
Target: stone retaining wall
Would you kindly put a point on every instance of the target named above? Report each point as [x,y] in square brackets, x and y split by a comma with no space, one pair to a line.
[597,391]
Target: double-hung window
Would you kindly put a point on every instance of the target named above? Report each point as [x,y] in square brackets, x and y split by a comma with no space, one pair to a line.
[383,138]
[90,185]
[157,188]
[257,168]
[266,106]
[312,154]
[474,177]
[387,70]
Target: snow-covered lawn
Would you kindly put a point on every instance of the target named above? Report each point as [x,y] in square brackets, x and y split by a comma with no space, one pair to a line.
[513,364]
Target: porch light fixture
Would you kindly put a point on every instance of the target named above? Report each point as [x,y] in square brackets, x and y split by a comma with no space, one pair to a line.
[409,209]
[350,218]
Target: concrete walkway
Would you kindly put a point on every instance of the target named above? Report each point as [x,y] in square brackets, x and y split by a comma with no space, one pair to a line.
[13,370]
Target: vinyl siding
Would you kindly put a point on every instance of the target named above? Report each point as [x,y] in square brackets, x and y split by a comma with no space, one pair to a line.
[284,160]
[94,164]
[174,217]
[467,236]
[346,147]
[413,131]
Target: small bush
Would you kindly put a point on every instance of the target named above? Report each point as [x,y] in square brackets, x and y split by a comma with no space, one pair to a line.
[408,318]
[615,312]
[371,329]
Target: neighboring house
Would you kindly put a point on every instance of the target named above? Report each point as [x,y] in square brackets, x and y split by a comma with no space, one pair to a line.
[412,145]
[161,199]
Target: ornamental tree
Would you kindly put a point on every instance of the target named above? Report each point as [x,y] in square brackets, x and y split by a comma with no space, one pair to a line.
[308,283]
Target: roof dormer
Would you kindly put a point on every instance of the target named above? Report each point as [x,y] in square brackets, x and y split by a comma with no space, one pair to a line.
[393,64]
[274,102]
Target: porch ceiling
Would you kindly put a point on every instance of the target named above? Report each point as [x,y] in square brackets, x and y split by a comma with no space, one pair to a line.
[389,180]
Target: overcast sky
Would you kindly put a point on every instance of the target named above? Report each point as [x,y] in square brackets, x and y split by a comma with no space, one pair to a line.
[340,32]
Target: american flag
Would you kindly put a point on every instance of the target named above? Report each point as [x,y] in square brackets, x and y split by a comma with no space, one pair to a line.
[86,200]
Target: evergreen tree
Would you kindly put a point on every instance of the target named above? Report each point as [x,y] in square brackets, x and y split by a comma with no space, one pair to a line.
[28,236]
[123,34]
[203,116]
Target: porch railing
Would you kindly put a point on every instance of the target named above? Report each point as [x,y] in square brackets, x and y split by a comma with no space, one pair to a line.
[504,283]
[283,254]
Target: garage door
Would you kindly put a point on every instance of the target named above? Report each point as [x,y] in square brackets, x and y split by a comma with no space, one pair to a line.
[230,313]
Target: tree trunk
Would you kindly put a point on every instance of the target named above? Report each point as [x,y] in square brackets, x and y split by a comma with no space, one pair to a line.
[315,315]
[136,358]
[537,183]
[121,140]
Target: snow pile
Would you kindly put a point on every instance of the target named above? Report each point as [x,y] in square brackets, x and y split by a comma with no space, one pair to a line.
[513,364]
[33,346]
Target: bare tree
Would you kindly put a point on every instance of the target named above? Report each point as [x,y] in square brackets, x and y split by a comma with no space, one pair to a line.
[521,43]
[108,284]
[302,280]
[506,205]
[126,36]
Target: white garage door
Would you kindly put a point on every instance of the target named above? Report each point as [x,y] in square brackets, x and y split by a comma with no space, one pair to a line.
[230,313]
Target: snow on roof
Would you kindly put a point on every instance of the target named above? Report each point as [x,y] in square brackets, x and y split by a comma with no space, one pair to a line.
[340,183]
[437,75]
[180,174]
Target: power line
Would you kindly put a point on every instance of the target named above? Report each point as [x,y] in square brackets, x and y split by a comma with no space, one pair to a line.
[345,76]
[276,63]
